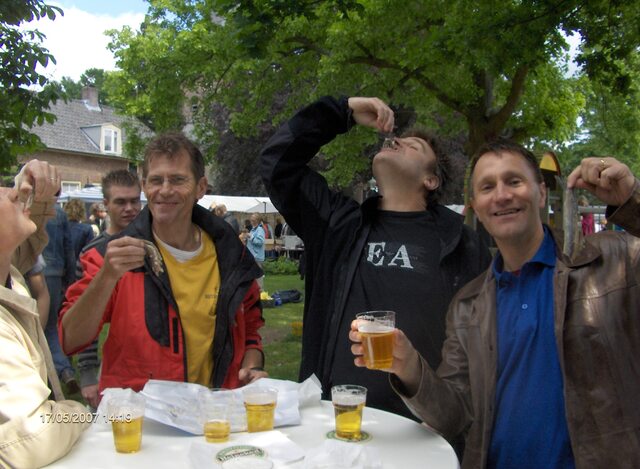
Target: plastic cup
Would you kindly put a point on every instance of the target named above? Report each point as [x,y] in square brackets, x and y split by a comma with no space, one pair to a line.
[348,402]
[376,331]
[215,407]
[126,415]
[260,405]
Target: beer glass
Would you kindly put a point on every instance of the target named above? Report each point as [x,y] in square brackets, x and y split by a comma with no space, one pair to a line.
[348,402]
[260,404]
[215,407]
[376,331]
[126,415]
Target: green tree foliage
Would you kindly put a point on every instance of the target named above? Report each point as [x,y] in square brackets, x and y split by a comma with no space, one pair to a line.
[20,54]
[71,89]
[610,122]
[480,69]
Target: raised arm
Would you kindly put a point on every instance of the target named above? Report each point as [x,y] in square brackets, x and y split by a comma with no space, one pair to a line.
[89,296]
[38,182]
[301,195]
[614,184]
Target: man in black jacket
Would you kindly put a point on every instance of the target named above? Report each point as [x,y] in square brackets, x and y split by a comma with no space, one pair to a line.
[398,251]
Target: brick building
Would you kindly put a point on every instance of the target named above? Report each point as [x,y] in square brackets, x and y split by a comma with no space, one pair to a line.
[85,142]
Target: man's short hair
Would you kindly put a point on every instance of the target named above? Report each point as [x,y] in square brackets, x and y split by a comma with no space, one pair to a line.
[171,144]
[503,145]
[442,168]
[118,177]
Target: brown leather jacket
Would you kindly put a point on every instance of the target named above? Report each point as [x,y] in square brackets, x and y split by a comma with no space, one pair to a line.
[597,328]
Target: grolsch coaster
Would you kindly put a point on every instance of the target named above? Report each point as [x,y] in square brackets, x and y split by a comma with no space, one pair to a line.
[364,436]
[239,451]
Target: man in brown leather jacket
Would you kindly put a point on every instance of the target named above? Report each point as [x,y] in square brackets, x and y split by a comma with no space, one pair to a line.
[542,350]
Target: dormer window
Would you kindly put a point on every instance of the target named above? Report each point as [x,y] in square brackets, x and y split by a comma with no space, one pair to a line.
[111,140]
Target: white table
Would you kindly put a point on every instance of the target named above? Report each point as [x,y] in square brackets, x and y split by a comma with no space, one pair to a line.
[403,443]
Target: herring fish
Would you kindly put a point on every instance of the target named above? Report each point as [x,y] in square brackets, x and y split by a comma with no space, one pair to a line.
[571,225]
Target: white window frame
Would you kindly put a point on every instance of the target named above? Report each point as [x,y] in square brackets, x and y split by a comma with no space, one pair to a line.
[70,186]
[111,140]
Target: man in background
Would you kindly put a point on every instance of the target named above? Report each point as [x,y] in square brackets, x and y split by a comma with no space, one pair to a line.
[59,274]
[221,211]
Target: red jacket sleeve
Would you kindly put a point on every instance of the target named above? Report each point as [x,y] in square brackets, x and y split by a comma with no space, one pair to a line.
[253,319]
[91,262]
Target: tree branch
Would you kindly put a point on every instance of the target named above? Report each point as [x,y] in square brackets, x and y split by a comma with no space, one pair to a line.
[416,74]
[306,43]
[500,118]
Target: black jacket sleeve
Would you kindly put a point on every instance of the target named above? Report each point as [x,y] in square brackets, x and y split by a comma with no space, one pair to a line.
[302,195]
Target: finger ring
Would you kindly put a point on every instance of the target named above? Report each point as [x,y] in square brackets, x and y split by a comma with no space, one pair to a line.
[53,179]
[602,165]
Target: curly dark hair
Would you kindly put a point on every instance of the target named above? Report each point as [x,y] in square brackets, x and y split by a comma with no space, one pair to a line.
[442,167]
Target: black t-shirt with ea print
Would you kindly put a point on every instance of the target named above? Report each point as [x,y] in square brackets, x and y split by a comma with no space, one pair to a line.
[399,271]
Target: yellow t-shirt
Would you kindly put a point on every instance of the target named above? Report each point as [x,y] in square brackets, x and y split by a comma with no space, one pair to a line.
[195,284]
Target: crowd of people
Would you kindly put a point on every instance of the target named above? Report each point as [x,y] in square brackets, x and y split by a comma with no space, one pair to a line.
[522,359]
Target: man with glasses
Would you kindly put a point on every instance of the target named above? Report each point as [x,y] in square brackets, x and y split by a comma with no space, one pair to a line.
[177,287]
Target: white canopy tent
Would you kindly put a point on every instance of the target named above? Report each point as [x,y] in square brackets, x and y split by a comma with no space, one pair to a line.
[263,207]
[245,204]
[89,195]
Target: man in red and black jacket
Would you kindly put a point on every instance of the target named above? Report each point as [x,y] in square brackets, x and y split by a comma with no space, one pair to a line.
[176,286]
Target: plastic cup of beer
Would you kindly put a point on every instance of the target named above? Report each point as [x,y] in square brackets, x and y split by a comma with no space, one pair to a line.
[126,415]
[376,331]
[348,402]
[260,404]
[215,407]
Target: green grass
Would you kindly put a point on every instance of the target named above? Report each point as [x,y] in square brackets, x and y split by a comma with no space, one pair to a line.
[282,349]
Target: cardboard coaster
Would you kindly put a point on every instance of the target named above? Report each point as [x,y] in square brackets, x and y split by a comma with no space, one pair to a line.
[239,451]
[364,436]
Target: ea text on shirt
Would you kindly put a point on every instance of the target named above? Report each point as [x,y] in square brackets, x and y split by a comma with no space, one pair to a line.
[377,256]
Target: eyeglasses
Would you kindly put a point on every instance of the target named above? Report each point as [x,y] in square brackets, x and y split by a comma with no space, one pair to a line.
[174,181]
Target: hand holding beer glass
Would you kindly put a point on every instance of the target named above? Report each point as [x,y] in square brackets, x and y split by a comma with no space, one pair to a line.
[348,401]
[376,331]
[260,404]
[126,415]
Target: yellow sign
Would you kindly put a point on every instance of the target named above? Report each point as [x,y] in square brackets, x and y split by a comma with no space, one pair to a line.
[550,163]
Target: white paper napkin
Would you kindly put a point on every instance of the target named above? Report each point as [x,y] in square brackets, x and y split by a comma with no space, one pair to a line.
[101,419]
[280,449]
[176,403]
[334,454]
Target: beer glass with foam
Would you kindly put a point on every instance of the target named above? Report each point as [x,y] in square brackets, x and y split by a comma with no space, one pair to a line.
[260,404]
[376,331]
[126,415]
[348,401]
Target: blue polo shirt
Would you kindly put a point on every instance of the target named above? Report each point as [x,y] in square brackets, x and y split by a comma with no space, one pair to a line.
[530,428]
